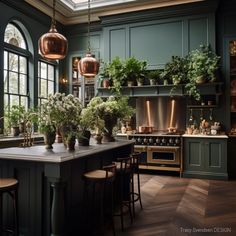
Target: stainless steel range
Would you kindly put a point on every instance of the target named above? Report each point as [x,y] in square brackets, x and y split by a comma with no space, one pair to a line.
[160,151]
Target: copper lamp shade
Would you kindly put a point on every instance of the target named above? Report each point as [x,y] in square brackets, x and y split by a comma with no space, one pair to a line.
[53,45]
[88,66]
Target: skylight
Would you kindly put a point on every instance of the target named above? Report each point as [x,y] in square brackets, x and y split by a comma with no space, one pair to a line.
[77,5]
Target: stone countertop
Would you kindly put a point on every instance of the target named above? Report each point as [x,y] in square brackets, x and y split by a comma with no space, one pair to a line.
[59,153]
[204,136]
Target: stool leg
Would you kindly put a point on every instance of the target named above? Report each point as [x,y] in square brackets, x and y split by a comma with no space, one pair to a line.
[139,191]
[132,194]
[15,203]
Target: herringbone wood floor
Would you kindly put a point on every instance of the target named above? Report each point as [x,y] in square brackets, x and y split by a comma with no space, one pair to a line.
[174,206]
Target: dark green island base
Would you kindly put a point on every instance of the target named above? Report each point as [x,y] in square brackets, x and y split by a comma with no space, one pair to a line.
[51,185]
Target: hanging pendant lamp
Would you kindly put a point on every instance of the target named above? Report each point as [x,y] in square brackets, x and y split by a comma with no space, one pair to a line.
[53,45]
[88,65]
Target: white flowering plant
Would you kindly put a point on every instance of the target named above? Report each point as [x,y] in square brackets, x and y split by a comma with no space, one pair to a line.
[60,110]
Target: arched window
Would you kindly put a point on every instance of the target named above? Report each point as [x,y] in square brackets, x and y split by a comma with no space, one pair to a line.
[16,54]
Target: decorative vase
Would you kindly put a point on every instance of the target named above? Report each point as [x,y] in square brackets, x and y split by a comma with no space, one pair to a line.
[152,82]
[84,138]
[130,83]
[71,144]
[15,131]
[98,138]
[109,125]
[49,139]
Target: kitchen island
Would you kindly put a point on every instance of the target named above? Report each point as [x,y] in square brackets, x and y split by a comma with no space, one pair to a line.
[51,184]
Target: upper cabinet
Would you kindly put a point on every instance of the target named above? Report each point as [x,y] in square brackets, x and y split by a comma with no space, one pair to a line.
[159,34]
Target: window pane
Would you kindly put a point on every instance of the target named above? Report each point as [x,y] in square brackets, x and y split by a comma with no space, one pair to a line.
[23,84]
[43,70]
[5,60]
[13,62]
[13,36]
[23,65]
[5,100]
[5,81]
[24,102]
[50,72]
[14,100]
[43,88]
[13,82]
[50,87]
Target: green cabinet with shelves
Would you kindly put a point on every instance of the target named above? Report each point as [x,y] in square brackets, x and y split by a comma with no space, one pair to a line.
[205,157]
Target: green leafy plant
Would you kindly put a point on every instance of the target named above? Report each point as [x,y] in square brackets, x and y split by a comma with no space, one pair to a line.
[115,71]
[14,115]
[154,76]
[133,69]
[104,73]
[202,67]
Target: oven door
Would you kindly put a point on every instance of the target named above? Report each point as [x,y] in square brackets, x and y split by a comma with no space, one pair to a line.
[163,155]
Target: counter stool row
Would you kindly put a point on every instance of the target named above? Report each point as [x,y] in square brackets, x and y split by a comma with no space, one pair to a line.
[100,186]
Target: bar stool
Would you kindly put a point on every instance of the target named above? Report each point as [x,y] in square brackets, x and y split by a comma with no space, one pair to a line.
[9,186]
[101,183]
[123,181]
[136,196]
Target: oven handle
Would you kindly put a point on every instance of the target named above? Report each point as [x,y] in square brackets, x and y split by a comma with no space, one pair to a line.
[160,148]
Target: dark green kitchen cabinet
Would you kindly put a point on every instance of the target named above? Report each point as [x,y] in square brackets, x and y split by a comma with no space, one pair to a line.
[205,157]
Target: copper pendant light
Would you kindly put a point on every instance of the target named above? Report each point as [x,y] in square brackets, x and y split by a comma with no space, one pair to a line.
[88,65]
[53,45]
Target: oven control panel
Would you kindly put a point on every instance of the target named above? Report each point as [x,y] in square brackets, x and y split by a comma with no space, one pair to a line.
[157,140]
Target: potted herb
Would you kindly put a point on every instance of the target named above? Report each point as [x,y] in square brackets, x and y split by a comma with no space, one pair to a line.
[131,70]
[175,71]
[154,76]
[141,72]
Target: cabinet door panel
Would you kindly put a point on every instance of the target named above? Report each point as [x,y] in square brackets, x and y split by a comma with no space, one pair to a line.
[216,159]
[193,155]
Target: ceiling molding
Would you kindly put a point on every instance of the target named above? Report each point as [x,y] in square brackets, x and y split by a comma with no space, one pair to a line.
[67,16]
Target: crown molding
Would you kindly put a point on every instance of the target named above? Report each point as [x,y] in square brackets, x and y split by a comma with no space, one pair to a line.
[67,16]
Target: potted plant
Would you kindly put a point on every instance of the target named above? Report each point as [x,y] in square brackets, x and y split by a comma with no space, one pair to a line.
[175,71]
[154,76]
[141,72]
[115,71]
[104,75]
[131,70]
[202,67]
[13,116]
[110,111]
[203,64]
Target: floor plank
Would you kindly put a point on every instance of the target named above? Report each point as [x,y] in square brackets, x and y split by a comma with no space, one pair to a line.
[183,206]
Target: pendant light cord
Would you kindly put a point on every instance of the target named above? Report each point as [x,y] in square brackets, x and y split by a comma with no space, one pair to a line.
[88,26]
[53,14]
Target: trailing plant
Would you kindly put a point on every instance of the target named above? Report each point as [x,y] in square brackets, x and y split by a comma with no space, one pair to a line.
[154,76]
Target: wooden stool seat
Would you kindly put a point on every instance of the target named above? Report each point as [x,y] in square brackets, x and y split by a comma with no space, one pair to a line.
[9,186]
[98,175]
[8,183]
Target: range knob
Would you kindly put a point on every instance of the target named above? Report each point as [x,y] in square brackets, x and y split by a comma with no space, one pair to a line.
[171,141]
[145,140]
[177,141]
[163,141]
[139,140]
[150,140]
[158,140]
